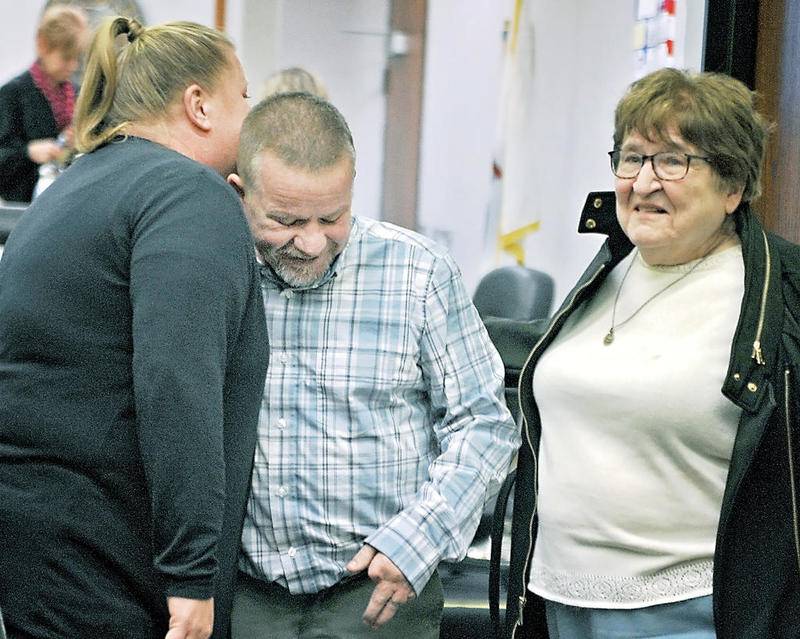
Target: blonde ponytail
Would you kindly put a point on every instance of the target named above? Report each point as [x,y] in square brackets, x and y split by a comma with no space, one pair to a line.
[99,86]
[138,81]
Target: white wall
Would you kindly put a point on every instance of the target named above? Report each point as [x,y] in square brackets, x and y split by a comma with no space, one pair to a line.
[463,59]
[21,16]
[580,61]
[17,50]
[156,11]
[344,43]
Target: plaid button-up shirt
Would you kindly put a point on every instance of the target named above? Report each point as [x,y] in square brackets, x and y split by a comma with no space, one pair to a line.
[383,420]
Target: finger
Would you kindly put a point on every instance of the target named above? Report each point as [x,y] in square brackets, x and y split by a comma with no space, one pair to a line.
[361,560]
[182,632]
[383,569]
[381,596]
[386,614]
[402,596]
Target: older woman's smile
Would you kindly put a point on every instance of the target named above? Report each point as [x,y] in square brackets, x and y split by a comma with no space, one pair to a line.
[648,208]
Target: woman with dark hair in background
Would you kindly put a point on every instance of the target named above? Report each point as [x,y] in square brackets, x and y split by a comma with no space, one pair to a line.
[657,486]
[36,107]
[132,354]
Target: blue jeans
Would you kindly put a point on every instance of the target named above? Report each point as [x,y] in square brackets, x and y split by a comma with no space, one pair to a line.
[690,619]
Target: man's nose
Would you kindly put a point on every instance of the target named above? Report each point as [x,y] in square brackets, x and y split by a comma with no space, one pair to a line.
[311,241]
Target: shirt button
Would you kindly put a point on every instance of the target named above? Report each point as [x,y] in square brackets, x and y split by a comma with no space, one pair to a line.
[284,358]
[292,552]
[287,293]
[281,423]
[282,491]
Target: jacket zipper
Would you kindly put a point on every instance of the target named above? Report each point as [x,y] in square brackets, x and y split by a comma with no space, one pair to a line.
[757,354]
[522,599]
[792,483]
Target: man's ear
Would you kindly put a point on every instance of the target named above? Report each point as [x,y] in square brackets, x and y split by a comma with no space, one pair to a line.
[195,107]
[236,182]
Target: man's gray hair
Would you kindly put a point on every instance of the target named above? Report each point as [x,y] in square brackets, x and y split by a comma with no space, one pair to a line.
[300,129]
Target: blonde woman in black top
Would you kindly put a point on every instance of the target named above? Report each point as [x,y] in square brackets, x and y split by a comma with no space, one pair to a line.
[132,354]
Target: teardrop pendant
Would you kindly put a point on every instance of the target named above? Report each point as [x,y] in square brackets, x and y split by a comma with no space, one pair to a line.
[609,337]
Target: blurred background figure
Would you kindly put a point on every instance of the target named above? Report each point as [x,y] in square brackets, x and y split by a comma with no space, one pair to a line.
[36,106]
[293,80]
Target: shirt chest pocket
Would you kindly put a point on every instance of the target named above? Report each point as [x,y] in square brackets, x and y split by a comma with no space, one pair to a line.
[373,362]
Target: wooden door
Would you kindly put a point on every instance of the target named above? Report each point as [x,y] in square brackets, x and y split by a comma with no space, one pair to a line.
[404,79]
[777,80]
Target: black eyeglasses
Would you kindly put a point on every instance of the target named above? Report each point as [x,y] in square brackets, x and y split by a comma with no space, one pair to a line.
[667,165]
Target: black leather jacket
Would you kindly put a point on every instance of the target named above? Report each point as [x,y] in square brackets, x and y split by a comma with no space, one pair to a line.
[756,587]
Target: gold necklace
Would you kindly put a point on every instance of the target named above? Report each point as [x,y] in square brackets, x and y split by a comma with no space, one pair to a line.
[609,338]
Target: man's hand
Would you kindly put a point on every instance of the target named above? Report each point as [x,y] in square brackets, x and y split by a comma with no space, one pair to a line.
[190,618]
[391,589]
[43,151]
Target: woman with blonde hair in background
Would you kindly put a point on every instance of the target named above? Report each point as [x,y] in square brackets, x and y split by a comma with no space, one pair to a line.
[132,354]
[36,107]
[294,80]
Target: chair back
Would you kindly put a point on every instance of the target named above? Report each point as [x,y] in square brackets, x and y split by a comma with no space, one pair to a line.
[10,212]
[514,292]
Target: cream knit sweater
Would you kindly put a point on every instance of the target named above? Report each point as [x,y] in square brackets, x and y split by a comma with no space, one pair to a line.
[637,438]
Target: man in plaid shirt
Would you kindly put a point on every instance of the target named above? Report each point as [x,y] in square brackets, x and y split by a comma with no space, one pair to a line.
[383,427]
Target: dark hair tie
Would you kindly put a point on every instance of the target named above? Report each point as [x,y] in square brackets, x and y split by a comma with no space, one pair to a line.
[134,29]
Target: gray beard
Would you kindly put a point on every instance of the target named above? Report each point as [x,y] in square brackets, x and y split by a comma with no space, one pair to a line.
[292,278]
[289,273]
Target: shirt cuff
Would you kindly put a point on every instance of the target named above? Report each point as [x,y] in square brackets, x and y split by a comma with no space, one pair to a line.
[410,550]
[190,588]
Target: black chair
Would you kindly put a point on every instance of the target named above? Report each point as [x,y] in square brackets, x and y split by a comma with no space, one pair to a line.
[474,589]
[514,292]
[10,212]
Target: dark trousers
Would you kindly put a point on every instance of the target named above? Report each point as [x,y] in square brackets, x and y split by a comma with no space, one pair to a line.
[268,611]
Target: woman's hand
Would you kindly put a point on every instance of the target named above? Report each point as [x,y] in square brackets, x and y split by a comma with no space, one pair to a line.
[43,151]
[190,618]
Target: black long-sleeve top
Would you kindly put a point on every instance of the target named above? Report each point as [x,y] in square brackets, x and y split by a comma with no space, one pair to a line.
[25,115]
[133,351]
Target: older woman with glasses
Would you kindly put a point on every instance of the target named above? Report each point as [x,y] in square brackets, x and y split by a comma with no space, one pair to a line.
[657,485]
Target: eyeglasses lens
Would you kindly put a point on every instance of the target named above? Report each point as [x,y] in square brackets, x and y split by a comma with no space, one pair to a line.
[667,165]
